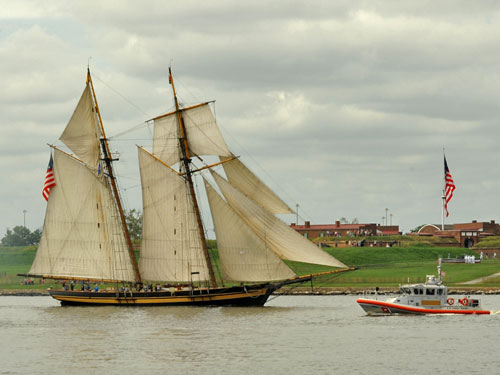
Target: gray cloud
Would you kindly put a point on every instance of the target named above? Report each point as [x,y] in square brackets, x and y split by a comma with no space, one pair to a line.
[343,107]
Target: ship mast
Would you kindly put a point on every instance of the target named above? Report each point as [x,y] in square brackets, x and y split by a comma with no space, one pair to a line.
[186,159]
[107,159]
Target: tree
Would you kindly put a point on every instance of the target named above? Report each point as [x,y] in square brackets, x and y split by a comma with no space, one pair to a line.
[133,218]
[21,236]
[35,237]
[414,230]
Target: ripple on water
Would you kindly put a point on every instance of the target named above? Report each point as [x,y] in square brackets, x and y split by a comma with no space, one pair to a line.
[292,335]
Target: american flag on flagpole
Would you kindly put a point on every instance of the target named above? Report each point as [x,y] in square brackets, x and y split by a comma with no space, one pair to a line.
[449,186]
[50,180]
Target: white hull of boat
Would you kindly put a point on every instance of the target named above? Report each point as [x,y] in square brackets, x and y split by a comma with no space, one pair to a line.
[376,307]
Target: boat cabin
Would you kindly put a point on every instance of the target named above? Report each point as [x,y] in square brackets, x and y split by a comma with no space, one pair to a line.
[432,293]
[424,290]
[432,287]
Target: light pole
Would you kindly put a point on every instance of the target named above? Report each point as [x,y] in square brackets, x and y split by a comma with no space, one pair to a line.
[391,218]
[386,215]
[297,213]
[24,217]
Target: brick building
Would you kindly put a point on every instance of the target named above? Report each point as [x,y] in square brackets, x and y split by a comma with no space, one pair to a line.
[467,234]
[337,229]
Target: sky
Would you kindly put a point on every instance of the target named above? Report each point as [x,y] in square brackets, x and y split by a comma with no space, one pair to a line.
[343,108]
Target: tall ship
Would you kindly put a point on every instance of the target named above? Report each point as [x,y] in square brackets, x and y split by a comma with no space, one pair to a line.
[85,239]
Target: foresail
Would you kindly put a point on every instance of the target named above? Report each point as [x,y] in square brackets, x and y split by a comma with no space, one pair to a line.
[171,246]
[280,238]
[82,236]
[82,134]
[202,132]
[243,255]
[250,185]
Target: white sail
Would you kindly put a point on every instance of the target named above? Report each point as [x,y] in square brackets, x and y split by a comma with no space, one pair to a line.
[82,134]
[171,245]
[202,132]
[82,236]
[243,255]
[249,184]
[284,241]
[166,139]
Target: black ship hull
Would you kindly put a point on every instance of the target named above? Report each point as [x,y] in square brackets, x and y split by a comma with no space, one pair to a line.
[251,295]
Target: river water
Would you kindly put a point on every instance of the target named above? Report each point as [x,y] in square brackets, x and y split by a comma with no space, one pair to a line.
[290,335]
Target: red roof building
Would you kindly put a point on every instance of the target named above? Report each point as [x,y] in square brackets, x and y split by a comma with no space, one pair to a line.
[467,234]
[337,229]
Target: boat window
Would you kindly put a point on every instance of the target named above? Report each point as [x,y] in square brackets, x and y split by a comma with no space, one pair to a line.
[415,291]
[430,292]
[440,292]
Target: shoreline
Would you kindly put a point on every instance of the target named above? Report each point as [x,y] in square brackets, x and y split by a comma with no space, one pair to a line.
[301,291]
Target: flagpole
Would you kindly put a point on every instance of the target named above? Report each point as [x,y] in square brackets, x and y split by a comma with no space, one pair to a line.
[449,188]
[443,198]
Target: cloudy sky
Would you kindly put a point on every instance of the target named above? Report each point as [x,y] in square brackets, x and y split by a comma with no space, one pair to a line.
[342,107]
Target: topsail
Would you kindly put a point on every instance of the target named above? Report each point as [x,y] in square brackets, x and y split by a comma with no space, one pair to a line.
[82,132]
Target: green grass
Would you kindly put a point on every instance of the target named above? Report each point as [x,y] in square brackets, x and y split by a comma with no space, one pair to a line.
[391,266]
[379,256]
[14,260]
[414,272]
[377,266]
[488,242]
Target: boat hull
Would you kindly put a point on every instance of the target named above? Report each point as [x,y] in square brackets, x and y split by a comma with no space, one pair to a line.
[255,295]
[371,306]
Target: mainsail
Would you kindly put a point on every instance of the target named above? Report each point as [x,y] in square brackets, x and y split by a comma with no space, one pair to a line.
[171,246]
[82,236]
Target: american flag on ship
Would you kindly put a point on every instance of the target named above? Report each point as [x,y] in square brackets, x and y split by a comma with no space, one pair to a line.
[50,180]
[449,186]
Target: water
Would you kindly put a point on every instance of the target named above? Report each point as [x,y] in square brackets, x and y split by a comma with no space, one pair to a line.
[290,335]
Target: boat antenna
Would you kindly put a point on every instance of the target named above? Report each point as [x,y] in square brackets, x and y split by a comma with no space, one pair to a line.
[439,271]
[186,160]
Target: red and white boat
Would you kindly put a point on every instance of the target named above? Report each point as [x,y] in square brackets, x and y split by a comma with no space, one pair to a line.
[430,297]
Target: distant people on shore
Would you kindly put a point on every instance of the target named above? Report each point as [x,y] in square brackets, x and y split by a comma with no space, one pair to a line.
[28,282]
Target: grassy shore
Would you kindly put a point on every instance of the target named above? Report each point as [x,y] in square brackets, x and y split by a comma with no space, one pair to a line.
[377,266]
